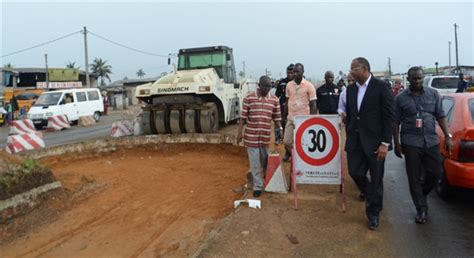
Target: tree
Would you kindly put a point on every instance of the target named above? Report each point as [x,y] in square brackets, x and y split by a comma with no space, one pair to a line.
[102,69]
[9,65]
[72,65]
[141,73]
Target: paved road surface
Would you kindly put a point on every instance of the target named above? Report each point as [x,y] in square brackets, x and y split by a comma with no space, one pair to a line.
[75,133]
[450,229]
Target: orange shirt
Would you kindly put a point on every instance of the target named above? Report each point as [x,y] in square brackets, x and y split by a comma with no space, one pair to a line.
[299,97]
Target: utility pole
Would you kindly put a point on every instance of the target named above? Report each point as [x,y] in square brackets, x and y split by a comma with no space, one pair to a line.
[389,68]
[86,58]
[47,72]
[449,49]
[243,70]
[266,72]
[456,45]
[436,64]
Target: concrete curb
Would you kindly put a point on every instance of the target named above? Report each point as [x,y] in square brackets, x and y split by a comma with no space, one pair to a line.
[25,197]
[23,203]
[110,144]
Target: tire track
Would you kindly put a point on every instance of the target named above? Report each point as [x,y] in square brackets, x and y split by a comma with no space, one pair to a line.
[174,217]
[62,238]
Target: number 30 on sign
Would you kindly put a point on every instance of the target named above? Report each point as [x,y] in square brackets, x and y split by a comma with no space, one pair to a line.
[317,149]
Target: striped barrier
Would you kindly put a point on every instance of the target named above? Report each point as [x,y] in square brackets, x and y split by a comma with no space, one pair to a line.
[23,126]
[24,142]
[275,180]
[57,123]
[122,128]
[86,120]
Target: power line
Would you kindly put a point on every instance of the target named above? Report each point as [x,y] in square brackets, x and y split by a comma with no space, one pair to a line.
[127,47]
[42,44]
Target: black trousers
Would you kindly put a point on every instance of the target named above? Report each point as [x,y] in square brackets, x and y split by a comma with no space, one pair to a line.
[423,167]
[359,163]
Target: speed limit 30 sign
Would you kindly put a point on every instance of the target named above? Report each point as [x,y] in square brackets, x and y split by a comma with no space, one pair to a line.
[317,154]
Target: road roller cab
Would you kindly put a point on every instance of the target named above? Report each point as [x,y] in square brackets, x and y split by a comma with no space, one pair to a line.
[202,92]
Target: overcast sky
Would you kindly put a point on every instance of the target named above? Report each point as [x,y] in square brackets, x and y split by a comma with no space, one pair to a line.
[322,36]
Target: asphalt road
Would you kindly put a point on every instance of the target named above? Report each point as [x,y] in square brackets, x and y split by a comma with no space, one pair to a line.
[75,133]
[449,231]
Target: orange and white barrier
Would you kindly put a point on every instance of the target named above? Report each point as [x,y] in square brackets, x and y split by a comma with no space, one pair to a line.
[24,142]
[86,120]
[275,180]
[23,126]
[57,123]
[122,128]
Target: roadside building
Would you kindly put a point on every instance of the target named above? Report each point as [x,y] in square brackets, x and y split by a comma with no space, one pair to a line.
[15,80]
[121,93]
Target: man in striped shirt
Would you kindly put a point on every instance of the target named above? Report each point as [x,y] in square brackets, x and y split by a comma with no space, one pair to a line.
[258,110]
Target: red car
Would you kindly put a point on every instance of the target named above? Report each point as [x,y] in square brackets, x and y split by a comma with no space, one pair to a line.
[459,168]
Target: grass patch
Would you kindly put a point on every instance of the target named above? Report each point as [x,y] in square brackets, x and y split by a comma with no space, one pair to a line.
[15,173]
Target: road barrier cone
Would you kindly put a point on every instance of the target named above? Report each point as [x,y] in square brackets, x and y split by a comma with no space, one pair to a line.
[275,180]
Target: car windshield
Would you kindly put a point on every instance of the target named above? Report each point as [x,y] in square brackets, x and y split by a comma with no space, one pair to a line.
[200,60]
[48,99]
[445,83]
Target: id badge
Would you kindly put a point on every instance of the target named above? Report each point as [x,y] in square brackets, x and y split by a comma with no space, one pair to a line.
[419,123]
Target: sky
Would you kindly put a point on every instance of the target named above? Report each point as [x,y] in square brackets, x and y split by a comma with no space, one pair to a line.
[265,35]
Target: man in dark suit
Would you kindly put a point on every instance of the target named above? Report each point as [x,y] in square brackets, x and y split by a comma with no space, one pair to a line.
[370,117]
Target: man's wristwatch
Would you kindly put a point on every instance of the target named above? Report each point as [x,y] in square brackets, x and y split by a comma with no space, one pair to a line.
[450,136]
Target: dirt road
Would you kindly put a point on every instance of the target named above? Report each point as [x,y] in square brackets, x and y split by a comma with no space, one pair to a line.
[135,202]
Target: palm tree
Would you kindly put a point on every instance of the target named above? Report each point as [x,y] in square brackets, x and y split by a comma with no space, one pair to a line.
[72,65]
[102,69]
[141,73]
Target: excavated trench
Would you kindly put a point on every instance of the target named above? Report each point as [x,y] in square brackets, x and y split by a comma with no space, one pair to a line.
[145,196]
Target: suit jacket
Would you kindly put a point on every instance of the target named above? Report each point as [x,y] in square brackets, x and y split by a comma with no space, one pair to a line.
[372,124]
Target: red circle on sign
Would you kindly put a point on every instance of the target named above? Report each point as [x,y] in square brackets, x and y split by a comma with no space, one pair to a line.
[299,147]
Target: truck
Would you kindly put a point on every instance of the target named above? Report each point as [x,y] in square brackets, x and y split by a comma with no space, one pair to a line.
[201,93]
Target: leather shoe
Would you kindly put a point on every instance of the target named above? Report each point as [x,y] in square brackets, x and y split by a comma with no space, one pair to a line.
[373,222]
[421,217]
[257,193]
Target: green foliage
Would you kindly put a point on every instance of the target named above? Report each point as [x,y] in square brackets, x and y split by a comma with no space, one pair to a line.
[31,165]
[141,73]
[72,65]
[16,173]
[8,180]
[102,69]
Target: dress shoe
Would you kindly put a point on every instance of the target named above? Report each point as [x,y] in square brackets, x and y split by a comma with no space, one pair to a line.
[421,217]
[257,193]
[287,156]
[373,222]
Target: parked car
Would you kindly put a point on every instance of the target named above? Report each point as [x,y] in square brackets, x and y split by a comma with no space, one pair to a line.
[73,103]
[458,170]
[442,83]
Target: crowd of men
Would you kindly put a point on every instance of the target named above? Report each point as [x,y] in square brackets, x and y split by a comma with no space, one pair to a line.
[373,115]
